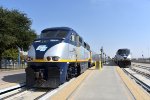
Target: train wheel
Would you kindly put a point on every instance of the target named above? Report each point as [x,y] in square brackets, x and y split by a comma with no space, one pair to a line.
[78,71]
[68,76]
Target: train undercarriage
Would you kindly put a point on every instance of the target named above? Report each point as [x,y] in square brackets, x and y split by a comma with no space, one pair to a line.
[51,75]
[124,63]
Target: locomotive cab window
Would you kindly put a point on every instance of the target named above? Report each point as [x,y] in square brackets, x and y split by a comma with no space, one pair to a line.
[123,51]
[54,33]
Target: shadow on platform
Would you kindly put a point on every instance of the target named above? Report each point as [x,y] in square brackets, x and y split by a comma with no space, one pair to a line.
[16,78]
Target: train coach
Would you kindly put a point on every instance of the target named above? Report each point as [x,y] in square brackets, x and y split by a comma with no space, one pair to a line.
[57,56]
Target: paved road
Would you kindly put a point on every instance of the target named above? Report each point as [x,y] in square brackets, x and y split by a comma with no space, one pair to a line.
[102,85]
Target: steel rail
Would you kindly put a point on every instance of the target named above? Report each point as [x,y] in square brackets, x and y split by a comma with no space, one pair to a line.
[5,90]
[144,85]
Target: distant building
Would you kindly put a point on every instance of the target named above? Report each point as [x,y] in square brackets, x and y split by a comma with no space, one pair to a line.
[24,53]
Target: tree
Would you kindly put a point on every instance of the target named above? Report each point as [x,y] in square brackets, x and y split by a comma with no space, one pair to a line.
[15,31]
[10,54]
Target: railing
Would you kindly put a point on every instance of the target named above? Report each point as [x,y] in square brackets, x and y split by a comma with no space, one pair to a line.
[12,65]
[141,60]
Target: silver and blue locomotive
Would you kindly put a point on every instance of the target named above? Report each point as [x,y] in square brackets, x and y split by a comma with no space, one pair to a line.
[123,57]
[57,56]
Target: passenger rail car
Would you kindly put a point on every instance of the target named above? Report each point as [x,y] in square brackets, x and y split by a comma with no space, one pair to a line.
[57,56]
[123,57]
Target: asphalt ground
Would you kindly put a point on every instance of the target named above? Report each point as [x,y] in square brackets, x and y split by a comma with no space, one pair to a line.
[11,78]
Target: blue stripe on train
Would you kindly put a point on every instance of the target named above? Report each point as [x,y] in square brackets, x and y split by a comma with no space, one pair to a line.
[44,42]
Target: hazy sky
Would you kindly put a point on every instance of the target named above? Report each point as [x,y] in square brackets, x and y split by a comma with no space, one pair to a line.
[112,24]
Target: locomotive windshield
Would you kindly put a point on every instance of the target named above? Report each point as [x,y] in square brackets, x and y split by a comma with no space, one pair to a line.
[54,34]
[123,51]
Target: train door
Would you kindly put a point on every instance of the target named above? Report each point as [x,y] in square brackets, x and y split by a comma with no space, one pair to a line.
[72,47]
[78,48]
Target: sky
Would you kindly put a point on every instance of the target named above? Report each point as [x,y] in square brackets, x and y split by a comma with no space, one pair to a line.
[113,24]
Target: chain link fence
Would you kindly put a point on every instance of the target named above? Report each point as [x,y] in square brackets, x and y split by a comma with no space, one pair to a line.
[12,64]
[142,60]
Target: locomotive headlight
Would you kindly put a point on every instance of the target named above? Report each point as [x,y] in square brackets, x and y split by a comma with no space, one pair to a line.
[48,58]
[55,58]
[29,58]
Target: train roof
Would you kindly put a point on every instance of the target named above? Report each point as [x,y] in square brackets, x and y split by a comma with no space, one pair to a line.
[123,49]
[63,28]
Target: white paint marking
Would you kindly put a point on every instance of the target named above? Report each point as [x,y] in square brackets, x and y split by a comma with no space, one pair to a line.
[13,87]
[49,94]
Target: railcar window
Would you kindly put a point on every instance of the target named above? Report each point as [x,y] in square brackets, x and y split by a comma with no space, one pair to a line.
[80,40]
[54,34]
[85,46]
[72,37]
[77,38]
[88,47]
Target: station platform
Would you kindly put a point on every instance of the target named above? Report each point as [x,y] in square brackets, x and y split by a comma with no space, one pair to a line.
[102,85]
[11,78]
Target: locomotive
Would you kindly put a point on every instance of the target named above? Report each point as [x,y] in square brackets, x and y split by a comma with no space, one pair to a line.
[123,57]
[57,56]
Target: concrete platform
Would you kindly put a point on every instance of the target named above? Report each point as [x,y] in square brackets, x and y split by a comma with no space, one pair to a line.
[102,85]
[11,78]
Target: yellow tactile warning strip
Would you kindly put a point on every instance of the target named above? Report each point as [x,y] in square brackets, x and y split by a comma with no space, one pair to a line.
[138,92]
[69,89]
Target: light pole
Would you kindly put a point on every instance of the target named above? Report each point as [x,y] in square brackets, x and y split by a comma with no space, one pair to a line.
[18,56]
[101,56]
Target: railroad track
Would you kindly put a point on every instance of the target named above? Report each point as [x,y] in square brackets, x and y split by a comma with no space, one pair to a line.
[144,67]
[28,94]
[11,90]
[19,93]
[141,70]
[141,66]
[141,80]
[24,93]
